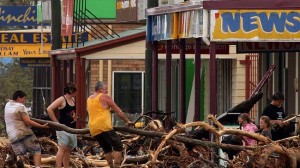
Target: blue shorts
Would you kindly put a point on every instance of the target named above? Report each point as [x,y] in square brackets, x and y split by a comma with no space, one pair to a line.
[66,139]
[27,144]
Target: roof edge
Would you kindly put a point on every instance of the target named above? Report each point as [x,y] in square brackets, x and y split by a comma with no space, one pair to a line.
[109,44]
[61,52]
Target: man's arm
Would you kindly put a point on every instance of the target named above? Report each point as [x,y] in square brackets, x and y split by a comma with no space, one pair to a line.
[29,122]
[116,109]
[278,122]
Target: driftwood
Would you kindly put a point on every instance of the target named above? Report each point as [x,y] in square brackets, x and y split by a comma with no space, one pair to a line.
[257,156]
[49,159]
[59,126]
[160,134]
[156,134]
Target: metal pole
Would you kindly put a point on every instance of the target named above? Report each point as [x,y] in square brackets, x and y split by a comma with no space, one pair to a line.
[168,83]
[182,81]
[212,78]
[148,68]
[197,79]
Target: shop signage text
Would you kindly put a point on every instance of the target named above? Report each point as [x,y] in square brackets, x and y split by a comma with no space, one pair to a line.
[18,16]
[33,38]
[190,49]
[258,25]
[248,47]
[35,62]
[22,50]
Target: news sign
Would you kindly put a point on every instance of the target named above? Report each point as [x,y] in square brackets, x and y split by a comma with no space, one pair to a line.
[255,25]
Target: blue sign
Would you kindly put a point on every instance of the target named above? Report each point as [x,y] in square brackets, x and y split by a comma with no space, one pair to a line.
[35,62]
[18,16]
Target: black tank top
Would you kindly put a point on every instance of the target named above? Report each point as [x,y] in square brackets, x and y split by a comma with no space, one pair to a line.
[66,115]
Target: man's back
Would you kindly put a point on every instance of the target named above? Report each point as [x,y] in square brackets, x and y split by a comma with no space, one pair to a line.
[99,116]
[15,127]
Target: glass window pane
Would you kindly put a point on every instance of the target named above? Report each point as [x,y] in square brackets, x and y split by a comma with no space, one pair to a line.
[128,91]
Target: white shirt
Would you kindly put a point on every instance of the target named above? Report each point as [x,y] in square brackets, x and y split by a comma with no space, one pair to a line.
[15,126]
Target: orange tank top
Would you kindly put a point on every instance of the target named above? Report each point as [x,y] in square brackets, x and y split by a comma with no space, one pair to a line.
[99,117]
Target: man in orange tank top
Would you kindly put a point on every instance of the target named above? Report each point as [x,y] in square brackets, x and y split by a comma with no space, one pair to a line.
[99,105]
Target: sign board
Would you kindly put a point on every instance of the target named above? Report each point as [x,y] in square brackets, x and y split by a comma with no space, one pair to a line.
[169,2]
[24,50]
[257,47]
[164,26]
[29,45]
[190,49]
[67,17]
[35,62]
[190,24]
[34,38]
[18,16]
[183,24]
[142,6]
[255,25]
[44,11]
[126,10]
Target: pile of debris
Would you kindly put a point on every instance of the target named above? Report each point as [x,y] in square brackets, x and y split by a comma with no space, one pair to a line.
[152,146]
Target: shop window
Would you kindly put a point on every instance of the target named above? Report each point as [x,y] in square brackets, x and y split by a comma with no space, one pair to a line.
[128,90]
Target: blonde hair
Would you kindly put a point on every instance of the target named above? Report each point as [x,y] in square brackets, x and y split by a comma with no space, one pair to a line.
[267,120]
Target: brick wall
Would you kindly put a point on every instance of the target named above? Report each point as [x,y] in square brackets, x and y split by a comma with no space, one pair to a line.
[117,65]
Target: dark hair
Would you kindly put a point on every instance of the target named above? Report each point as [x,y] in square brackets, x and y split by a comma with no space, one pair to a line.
[278,96]
[19,94]
[70,88]
[266,120]
[245,117]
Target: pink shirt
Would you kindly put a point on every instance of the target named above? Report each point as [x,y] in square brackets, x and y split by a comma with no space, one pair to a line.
[249,128]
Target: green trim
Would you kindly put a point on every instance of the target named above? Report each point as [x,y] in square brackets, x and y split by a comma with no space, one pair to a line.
[189,77]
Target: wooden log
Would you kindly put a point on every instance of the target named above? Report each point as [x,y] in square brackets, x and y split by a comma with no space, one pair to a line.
[156,134]
[48,160]
[59,126]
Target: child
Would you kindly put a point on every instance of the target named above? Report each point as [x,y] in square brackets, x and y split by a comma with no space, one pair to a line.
[265,126]
[247,125]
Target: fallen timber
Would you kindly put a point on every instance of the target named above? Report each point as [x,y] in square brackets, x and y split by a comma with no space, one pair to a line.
[149,134]
[256,156]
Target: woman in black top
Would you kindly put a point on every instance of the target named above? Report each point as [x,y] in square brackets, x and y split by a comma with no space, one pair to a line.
[66,107]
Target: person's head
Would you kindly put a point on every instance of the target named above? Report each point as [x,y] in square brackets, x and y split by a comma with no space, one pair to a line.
[70,89]
[264,122]
[244,118]
[19,96]
[277,99]
[101,87]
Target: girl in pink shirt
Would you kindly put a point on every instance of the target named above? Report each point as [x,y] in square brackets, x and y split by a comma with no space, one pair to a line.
[247,125]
